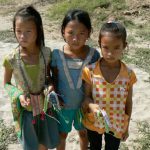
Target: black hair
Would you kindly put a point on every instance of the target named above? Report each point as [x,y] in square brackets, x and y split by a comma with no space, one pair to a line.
[115,28]
[28,12]
[79,15]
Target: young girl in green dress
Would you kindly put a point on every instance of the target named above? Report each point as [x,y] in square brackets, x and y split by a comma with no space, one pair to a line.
[28,63]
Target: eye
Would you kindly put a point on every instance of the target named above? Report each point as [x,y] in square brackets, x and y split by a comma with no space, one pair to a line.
[117,48]
[18,31]
[70,32]
[82,33]
[104,47]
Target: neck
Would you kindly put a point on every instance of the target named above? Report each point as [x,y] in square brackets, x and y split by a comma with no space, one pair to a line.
[75,51]
[111,65]
[33,50]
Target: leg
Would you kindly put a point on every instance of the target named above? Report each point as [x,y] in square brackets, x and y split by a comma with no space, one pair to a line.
[42,147]
[83,139]
[64,127]
[111,142]
[95,140]
[62,144]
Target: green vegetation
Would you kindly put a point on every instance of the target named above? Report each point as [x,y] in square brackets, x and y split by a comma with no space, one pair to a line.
[144,32]
[2,2]
[7,36]
[142,142]
[7,136]
[60,8]
[140,58]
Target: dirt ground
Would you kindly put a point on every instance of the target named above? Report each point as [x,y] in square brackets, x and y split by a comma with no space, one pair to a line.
[137,13]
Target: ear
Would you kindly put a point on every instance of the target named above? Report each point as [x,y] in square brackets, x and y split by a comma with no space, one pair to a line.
[125,45]
[99,43]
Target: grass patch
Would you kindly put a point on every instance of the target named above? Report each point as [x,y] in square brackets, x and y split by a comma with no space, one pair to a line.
[119,5]
[61,7]
[140,58]
[144,32]
[131,39]
[5,2]
[7,136]
[142,142]
[7,36]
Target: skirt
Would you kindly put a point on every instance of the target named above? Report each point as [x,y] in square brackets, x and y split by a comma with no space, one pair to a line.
[39,130]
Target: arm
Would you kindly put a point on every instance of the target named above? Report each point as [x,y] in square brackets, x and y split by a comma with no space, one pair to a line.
[55,77]
[128,108]
[88,103]
[7,75]
[128,111]
[7,80]
[49,82]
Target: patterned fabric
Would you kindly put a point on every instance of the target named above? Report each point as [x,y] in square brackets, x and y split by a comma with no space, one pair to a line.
[12,61]
[14,93]
[37,106]
[109,96]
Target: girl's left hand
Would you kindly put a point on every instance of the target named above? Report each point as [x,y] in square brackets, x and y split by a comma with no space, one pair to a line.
[125,135]
[48,89]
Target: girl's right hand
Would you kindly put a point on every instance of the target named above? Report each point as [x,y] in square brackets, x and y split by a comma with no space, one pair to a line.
[25,101]
[93,108]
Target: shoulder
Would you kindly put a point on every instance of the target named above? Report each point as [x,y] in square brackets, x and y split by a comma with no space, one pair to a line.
[91,66]
[94,50]
[56,52]
[129,72]
[46,50]
[95,54]
[126,68]
[10,59]
[12,55]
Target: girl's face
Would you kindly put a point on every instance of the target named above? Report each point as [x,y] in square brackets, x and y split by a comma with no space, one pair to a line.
[75,35]
[111,47]
[26,33]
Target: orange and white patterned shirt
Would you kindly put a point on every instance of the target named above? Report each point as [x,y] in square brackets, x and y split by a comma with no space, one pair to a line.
[110,96]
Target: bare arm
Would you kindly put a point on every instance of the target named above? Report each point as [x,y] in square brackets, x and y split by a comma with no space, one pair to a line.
[55,77]
[128,111]
[88,103]
[7,79]
[128,108]
[7,75]
[87,97]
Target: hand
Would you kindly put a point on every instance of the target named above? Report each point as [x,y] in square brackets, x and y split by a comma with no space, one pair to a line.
[25,101]
[94,108]
[48,89]
[125,135]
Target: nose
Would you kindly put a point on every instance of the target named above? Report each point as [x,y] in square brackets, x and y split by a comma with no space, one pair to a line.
[23,35]
[75,38]
[109,53]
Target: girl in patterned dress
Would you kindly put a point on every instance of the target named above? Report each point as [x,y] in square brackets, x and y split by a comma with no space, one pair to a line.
[108,89]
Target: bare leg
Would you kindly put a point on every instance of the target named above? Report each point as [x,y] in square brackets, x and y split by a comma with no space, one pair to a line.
[62,144]
[83,139]
[42,147]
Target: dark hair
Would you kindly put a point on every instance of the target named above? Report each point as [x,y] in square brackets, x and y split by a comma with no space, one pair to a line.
[79,15]
[28,12]
[116,28]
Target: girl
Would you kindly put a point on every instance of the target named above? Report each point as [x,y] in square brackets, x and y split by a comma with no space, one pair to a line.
[108,90]
[67,66]
[27,63]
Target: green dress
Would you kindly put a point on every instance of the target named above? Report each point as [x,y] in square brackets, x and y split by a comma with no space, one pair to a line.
[41,131]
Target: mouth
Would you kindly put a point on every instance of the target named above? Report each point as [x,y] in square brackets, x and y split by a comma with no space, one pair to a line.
[23,41]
